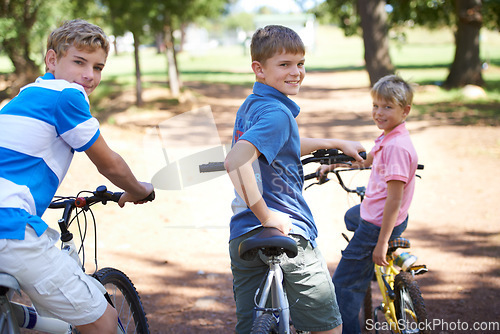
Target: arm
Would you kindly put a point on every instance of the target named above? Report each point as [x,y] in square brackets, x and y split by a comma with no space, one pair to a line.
[391,210]
[239,167]
[111,165]
[351,148]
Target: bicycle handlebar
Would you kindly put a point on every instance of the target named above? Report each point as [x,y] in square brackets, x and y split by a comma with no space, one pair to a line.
[330,157]
[324,157]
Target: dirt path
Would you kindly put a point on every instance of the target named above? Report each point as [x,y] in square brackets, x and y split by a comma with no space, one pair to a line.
[175,249]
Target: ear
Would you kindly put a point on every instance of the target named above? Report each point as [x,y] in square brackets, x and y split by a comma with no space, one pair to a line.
[258,70]
[406,110]
[50,60]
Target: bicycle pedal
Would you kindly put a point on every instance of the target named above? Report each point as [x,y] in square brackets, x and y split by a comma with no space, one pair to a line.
[418,269]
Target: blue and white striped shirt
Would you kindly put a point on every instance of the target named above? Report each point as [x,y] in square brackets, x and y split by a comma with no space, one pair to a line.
[39,131]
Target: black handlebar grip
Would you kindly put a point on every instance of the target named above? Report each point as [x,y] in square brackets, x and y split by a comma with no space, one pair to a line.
[212,167]
[150,197]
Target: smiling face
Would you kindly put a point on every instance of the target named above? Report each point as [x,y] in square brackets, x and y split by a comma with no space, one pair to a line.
[78,66]
[283,71]
[387,114]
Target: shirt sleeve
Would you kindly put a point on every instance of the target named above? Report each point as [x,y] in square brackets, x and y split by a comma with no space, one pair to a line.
[397,164]
[74,123]
[269,133]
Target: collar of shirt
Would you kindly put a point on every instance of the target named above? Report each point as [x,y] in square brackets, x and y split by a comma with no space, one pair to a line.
[382,139]
[264,90]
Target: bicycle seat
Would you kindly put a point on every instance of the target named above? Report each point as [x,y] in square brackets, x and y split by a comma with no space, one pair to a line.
[398,243]
[270,241]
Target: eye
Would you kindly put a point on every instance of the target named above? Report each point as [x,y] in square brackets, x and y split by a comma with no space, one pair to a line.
[98,68]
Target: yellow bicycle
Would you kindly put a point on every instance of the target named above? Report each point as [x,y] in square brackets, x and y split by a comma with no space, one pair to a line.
[402,304]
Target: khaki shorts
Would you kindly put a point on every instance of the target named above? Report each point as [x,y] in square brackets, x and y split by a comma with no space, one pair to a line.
[310,291]
[55,283]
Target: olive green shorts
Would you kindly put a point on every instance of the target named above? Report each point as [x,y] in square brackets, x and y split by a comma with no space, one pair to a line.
[310,291]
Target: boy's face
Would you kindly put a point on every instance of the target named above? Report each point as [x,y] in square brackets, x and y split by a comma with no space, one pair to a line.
[387,114]
[78,66]
[283,71]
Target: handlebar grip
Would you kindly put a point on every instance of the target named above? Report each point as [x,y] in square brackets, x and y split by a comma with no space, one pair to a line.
[344,158]
[116,196]
[310,176]
[212,167]
[150,197]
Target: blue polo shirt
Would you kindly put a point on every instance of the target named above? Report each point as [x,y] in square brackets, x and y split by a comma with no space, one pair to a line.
[39,131]
[267,120]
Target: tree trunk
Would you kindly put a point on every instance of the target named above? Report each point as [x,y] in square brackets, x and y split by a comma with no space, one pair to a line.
[376,43]
[138,81]
[171,63]
[466,67]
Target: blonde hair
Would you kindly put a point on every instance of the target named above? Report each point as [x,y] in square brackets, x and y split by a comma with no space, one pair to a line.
[393,88]
[80,34]
[273,39]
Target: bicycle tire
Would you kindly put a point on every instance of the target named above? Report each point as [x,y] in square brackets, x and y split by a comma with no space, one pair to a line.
[367,310]
[409,304]
[125,298]
[265,324]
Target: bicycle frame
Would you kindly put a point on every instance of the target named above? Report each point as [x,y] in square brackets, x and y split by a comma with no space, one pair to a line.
[385,280]
[273,284]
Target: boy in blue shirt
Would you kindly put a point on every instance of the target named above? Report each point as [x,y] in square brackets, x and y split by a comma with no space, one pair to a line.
[39,131]
[264,166]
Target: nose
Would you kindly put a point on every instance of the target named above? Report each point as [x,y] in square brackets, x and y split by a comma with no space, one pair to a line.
[88,73]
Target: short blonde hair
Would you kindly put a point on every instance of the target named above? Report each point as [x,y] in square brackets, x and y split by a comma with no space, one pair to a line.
[273,39]
[80,34]
[393,88]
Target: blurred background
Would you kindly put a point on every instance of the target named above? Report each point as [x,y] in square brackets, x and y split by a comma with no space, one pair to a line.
[168,44]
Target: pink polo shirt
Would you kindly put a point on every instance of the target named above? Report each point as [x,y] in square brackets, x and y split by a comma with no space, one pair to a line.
[394,158]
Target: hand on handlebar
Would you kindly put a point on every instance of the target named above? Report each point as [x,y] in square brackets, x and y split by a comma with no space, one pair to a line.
[353,148]
[279,220]
[147,196]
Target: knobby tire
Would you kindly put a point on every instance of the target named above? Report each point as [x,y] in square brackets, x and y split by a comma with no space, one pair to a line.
[125,298]
[367,308]
[265,324]
[409,305]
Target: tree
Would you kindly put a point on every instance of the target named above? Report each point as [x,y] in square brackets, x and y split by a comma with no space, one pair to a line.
[173,15]
[370,17]
[376,42]
[17,19]
[466,66]
[130,16]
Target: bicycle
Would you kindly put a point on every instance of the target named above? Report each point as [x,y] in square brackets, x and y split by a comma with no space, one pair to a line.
[118,289]
[274,318]
[402,304]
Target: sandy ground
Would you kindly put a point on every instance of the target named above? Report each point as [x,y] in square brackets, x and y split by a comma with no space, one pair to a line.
[175,249]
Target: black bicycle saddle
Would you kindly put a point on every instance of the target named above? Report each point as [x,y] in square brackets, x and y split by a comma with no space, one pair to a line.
[270,241]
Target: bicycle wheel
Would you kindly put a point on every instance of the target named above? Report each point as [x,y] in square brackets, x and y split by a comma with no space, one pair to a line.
[265,324]
[124,297]
[409,305]
[367,309]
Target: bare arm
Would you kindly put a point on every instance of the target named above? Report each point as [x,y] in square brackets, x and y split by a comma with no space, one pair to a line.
[391,211]
[351,148]
[111,165]
[239,167]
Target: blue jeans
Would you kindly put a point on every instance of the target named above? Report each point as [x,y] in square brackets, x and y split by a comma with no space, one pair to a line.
[355,270]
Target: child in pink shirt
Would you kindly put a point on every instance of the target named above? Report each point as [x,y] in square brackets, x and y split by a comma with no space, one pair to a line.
[383,214]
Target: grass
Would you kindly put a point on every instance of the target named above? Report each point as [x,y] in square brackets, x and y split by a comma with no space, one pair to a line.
[424,58]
